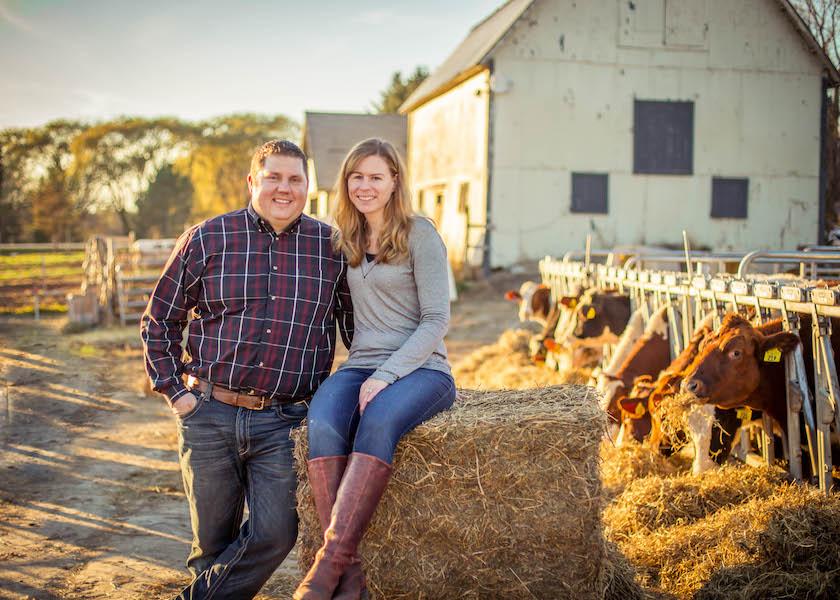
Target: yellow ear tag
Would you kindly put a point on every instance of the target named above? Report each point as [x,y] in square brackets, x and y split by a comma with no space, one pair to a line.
[590,314]
[745,414]
[573,303]
[773,355]
[640,410]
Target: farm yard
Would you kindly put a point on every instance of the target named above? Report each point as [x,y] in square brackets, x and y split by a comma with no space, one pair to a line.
[92,503]
[638,204]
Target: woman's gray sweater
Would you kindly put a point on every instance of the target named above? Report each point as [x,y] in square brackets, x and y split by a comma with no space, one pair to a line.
[401,311]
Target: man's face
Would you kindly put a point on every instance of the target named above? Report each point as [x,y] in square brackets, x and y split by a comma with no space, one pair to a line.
[278,192]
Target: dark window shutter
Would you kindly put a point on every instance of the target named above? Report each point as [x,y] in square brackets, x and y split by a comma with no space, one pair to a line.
[729,197]
[589,193]
[663,137]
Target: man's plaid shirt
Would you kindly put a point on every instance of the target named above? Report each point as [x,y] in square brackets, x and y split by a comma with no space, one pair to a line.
[265,307]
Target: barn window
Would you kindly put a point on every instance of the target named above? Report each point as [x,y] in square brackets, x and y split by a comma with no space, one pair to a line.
[589,193]
[663,137]
[729,197]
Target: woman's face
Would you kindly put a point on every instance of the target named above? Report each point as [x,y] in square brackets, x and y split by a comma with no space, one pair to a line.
[370,186]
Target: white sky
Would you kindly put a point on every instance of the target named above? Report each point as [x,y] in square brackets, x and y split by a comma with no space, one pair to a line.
[97,59]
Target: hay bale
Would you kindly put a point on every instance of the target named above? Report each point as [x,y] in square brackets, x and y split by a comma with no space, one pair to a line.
[653,502]
[783,546]
[506,365]
[621,465]
[497,498]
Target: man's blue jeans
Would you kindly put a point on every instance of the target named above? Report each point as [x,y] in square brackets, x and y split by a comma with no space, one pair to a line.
[335,428]
[230,456]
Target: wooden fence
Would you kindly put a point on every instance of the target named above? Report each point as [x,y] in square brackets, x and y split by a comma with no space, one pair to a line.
[38,277]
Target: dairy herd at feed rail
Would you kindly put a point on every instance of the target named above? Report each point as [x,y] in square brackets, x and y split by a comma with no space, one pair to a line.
[738,366]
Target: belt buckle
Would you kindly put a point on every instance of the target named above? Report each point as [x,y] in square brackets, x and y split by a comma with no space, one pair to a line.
[262,403]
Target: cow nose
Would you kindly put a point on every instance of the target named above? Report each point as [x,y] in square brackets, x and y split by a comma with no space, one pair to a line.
[693,386]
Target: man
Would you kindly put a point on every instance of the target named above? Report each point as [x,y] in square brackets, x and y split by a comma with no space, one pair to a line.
[266,289]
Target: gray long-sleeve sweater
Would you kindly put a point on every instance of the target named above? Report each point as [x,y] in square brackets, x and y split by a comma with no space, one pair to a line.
[401,311]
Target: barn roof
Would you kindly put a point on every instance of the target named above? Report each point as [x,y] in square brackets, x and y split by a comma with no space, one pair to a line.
[327,137]
[471,54]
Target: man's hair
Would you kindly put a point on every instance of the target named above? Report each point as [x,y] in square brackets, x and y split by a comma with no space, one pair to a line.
[280,147]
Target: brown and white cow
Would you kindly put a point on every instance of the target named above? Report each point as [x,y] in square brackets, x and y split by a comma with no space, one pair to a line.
[641,350]
[742,365]
[710,430]
[535,304]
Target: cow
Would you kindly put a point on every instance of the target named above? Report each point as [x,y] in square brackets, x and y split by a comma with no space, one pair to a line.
[710,430]
[641,350]
[535,304]
[740,365]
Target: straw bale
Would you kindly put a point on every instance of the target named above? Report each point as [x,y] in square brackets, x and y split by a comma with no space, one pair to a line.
[507,365]
[653,502]
[497,498]
[621,465]
[783,546]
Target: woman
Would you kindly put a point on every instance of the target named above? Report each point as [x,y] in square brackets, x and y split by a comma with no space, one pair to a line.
[397,374]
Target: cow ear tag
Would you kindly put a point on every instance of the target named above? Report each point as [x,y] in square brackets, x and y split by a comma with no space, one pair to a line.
[640,410]
[573,303]
[590,314]
[773,355]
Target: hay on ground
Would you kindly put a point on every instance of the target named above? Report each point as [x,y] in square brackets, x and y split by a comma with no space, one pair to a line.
[506,365]
[783,546]
[653,502]
[497,498]
[621,465]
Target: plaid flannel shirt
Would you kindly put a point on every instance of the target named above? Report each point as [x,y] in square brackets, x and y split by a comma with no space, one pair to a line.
[264,304]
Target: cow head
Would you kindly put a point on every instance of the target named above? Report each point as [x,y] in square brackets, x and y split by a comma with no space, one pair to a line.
[534,301]
[600,310]
[727,368]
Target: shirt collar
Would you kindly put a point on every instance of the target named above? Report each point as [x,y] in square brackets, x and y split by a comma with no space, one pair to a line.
[265,227]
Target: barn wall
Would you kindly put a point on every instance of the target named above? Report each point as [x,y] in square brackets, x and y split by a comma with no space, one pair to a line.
[447,160]
[572,70]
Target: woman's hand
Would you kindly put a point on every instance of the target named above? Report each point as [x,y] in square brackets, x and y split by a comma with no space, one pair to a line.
[368,392]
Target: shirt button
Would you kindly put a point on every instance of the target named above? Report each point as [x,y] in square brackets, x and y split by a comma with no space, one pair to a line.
[274,268]
[261,364]
[268,331]
[274,297]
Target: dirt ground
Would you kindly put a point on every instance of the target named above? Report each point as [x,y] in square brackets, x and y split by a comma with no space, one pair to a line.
[91,503]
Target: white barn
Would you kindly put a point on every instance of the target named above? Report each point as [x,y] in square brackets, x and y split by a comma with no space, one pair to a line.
[626,119]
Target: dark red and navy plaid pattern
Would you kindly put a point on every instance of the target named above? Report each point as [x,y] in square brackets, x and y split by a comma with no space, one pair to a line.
[265,307]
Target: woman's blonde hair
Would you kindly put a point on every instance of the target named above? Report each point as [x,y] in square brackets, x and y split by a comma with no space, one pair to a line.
[349,235]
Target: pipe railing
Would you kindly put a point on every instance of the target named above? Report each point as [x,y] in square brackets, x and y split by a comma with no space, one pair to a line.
[785,257]
[692,294]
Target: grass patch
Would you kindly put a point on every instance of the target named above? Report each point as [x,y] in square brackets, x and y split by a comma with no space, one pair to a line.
[37,259]
[19,273]
[51,308]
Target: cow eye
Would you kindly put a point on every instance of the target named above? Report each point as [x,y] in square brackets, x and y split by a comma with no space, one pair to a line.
[735,354]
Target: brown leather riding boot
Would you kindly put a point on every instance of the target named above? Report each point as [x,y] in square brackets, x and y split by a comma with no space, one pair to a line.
[362,486]
[324,478]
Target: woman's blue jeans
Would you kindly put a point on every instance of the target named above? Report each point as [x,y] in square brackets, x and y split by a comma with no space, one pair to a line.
[336,428]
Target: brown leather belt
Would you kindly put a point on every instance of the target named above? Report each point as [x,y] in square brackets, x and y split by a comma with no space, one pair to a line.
[234,398]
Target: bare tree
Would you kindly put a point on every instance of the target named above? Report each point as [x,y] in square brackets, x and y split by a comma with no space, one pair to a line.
[821,17]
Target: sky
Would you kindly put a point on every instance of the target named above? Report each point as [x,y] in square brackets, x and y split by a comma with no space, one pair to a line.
[98,59]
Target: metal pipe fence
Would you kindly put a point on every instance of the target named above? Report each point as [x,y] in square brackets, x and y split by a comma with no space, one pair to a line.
[689,296]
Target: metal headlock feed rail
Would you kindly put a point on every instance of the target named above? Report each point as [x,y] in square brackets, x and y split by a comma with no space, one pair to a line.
[690,297]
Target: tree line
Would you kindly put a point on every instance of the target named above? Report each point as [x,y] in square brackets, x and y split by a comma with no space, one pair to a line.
[67,179]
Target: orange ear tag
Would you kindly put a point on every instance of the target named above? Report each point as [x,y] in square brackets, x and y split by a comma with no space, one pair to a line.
[573,303]
[590,314]
[773,355]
